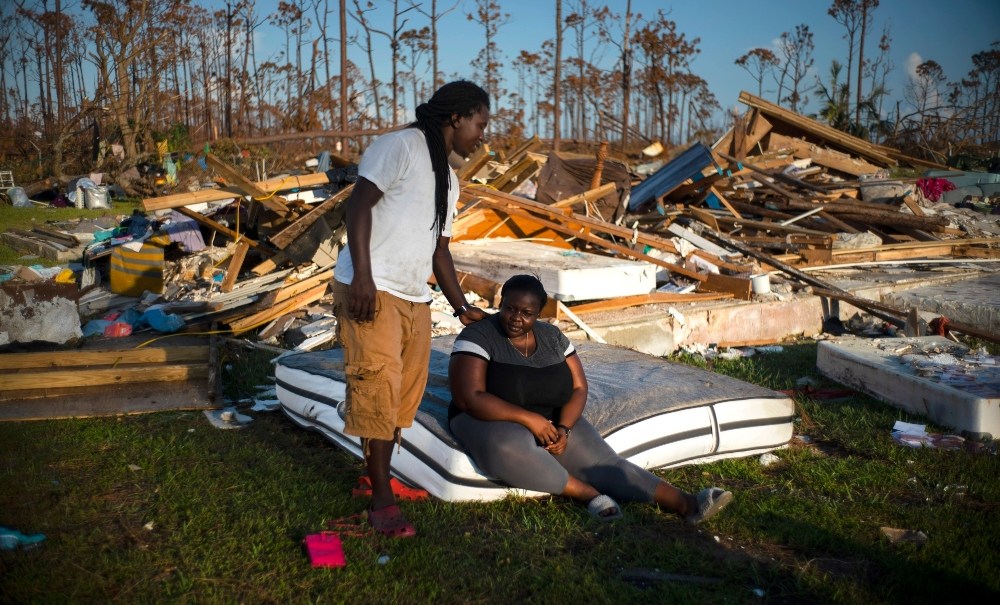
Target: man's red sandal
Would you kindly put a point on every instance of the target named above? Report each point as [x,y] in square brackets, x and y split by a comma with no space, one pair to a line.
[391,523]
[399,490]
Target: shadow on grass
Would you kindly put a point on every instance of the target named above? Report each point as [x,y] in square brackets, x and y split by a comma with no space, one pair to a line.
[850,571]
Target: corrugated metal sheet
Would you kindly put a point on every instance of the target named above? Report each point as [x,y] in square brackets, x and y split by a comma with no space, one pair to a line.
[687,165]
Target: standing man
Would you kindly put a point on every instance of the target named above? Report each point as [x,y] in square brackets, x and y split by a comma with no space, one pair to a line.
[398,229]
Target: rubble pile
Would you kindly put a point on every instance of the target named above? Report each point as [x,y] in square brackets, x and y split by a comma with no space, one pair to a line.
[749,218]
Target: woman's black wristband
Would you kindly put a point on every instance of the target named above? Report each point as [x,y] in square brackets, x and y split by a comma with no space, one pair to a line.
[565,428]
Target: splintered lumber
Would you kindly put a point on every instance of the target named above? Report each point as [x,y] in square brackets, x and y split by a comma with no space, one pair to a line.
[529,145]
[766,181]
[475,163]
[722,199]
[829,158]
[516,174]
[911,250]
[234,178]
[285,183]
[804,277]
[578,226]
[583,326]
[258,319]
[586,196]
[652,298]
[766,226]
[287,235]
[738,286]
[235,264]
[204,220]
[744,135]
[816,129]
[294,289]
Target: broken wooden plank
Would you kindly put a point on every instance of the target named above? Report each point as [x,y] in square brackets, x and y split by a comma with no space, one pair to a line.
[737,286]
[653,298]
[818,130]
[515,175]
[586,196]
[258,319]
[235,264]
[829,158]
[579,322]
[286,236]
[204,220]
[584,234]
[104,376]
[235,179]
[475,163]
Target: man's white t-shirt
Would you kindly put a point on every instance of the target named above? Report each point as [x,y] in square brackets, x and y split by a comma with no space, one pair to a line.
[403,234]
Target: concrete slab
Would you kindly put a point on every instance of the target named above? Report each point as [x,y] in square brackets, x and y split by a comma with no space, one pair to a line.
[568,275]
[973,301]
[930,375]
[662,329]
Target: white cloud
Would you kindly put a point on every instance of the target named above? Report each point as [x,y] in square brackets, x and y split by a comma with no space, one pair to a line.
[912,62]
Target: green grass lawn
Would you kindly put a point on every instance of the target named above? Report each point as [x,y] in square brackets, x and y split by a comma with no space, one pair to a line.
[164,508]
[26,218]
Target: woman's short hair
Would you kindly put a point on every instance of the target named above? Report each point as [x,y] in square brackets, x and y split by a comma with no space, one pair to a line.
[525,284]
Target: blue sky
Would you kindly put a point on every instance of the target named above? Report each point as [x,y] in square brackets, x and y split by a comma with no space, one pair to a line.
[948,32]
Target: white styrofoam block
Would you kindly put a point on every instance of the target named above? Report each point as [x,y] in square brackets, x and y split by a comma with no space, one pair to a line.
[568,275]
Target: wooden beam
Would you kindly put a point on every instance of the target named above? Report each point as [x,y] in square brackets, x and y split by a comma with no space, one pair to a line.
[204,220]
[816,129]
[515,175]
[586,196]
[287,235]
[56,379]
[580,226]
[81,358]
[176,200]
[737,286]
[235,264]
[561,216]
[652,298]
[475,163]
[235,179]
[829,158]
[258,319]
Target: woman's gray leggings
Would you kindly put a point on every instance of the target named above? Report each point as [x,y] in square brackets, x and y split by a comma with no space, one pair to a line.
[508,451]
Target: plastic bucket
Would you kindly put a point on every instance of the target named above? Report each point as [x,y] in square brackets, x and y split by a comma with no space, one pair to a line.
[760,284]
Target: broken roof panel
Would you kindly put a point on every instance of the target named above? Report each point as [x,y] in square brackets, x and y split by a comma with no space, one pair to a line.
[688,165]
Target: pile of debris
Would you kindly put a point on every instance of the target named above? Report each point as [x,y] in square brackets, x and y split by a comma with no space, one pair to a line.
[746,219]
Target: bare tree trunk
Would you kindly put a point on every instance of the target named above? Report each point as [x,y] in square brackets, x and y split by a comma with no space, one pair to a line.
[557,76]
[343,71]
[626,74]
[438,81]
[861,62]
[229,72]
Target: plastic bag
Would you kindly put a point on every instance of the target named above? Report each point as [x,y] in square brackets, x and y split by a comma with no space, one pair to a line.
[18,197]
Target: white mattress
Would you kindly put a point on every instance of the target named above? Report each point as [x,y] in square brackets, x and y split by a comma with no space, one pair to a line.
[654,412]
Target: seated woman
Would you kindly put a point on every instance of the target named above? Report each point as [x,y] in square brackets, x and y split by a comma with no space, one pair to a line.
[519,392]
